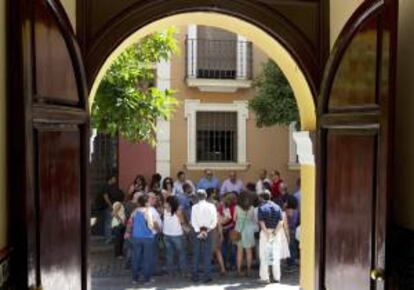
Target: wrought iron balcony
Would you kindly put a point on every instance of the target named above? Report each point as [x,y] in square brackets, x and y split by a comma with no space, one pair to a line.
[219,60]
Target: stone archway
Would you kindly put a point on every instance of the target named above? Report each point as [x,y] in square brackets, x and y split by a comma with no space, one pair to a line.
[303,93]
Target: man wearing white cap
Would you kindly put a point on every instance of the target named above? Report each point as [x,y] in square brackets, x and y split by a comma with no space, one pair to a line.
[203,220]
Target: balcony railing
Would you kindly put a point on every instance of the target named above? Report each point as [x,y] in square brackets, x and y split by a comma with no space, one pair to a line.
[219,59]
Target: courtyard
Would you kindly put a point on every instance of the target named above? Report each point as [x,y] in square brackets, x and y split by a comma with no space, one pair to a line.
[109,273]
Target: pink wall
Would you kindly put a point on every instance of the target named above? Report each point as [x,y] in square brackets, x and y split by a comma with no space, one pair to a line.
[135,159]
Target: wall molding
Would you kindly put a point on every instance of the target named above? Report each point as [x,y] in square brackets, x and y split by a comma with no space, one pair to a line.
[242,50]
[218,85]
[163,148]
[304,147]
[192,52]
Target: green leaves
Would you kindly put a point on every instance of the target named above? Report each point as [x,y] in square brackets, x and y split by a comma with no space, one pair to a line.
[274,103]
[127,103]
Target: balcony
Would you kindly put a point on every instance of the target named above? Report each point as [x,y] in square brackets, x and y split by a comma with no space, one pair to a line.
[219,65]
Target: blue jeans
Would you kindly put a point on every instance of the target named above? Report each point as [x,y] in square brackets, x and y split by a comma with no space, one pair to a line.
[203,248]
[175,245]
[155,255]
[128,253]
[142,255]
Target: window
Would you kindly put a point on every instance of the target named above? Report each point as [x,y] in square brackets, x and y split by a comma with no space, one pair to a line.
[103,161]
[216,136]
[216,53]
[218,60]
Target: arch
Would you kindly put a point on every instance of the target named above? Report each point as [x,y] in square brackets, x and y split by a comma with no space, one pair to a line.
[302,32]
[295,74]
[300,82]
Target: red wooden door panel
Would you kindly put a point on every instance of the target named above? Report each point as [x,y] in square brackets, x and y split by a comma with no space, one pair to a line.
[60,245]
[349,200]
[49,132]
[355,119]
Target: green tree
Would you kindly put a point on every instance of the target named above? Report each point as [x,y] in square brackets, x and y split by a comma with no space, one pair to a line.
[274,102]
[127,102]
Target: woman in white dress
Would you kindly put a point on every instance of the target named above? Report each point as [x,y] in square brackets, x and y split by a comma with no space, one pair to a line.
[282,239]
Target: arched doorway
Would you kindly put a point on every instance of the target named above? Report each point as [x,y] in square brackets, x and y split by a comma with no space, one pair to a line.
[48,130]
[302,88]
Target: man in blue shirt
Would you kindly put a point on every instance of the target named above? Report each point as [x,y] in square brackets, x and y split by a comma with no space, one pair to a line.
[270,221]
[208,181]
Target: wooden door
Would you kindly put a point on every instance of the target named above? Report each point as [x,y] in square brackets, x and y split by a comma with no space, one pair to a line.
[48,142]
[355,117]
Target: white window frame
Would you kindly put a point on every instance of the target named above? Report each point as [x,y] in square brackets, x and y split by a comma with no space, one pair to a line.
[241,108]
[241,57]
[192,52]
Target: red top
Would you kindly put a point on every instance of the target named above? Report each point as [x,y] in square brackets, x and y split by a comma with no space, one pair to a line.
[231,223]
[275,189]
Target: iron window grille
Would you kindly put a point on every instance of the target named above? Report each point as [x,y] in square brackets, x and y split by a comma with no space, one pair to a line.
[104,162]
[219,59]
[216,137]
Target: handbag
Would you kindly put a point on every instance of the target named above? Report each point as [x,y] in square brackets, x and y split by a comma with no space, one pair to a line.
[234,235]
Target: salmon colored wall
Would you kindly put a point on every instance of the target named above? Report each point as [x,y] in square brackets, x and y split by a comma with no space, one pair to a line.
[134,159]
[3,170]
[266,147]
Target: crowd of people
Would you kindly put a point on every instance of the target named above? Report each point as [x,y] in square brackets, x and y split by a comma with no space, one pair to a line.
[190,226]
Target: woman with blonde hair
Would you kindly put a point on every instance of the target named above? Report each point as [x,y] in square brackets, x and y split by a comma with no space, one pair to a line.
[118,228]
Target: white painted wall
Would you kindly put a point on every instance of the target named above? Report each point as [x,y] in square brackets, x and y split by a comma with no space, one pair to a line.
[163,149]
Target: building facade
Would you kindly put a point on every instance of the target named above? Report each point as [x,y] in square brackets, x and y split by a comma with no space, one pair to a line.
[212,127]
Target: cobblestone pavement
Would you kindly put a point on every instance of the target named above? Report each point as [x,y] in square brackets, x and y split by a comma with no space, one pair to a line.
[109,273]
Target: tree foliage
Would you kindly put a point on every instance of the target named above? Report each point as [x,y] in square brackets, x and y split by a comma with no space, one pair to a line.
[127,102]
[274,102]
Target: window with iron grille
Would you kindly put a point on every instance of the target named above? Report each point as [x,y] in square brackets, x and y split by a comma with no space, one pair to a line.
[104,162]
[216,136]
